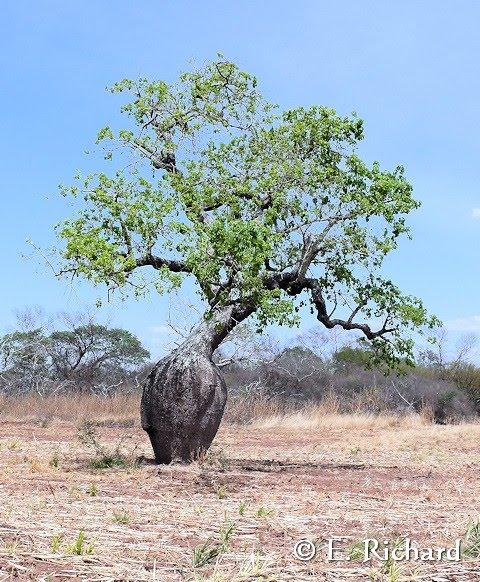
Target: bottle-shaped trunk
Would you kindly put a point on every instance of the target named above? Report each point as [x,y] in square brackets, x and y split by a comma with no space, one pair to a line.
[184,396]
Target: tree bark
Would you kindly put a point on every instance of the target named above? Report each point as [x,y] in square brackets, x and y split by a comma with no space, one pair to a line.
[184,395]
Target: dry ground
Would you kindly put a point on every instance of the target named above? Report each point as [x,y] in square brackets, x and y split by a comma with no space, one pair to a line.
[276,481]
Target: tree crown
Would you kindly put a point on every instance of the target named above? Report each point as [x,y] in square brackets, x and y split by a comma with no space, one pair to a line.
[266,209]
[86,354]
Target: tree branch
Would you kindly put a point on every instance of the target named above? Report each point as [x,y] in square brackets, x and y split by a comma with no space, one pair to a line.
[322,315]
[294,285]
[159,262]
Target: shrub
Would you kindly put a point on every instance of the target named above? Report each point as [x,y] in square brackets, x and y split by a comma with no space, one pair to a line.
[104,458]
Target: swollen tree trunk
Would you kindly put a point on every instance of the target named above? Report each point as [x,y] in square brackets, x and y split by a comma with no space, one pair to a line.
[184,395]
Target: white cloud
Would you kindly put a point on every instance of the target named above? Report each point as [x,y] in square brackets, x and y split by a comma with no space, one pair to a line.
[476,213]
[464,324]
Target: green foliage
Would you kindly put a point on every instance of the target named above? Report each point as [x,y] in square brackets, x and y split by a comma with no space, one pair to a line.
[24,357]
[242,507]
[108,460]
[92,490]
[209,550]
[94,346]
[467,377]
[249,201]
[85,355]
[446,397]
[80,547]
[348,356]
[55,461]
[121,517]
[56,542]
[458,371]
[264,512]
[471,541]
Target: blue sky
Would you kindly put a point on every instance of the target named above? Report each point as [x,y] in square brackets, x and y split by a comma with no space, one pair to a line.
[409,69]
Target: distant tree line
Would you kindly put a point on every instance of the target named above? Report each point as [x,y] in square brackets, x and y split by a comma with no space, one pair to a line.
[312,370]
[78,354]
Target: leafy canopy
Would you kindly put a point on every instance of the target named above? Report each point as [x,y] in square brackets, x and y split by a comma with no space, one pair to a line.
[85,355]
[266,210]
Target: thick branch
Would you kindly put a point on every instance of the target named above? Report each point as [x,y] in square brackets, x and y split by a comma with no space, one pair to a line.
[292,284]
[322,315]
[159,262]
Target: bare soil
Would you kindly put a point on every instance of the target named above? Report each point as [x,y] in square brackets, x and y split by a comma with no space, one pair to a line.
[275,484]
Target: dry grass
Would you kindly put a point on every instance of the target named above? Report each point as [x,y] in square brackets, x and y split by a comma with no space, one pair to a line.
[258,411]
[317,417]
[236,516]
[74,407]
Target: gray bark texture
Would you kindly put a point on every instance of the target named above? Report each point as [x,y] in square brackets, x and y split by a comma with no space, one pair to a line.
[184,396]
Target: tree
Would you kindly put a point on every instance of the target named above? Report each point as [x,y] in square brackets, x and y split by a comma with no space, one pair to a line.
[24,362]
[86,355]
[348,356]
[94,356]
[266,211]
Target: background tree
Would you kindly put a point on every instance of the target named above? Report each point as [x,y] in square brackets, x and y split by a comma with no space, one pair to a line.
[454,365]
[24,362]
[94,357]
[266,211]
[83,356]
